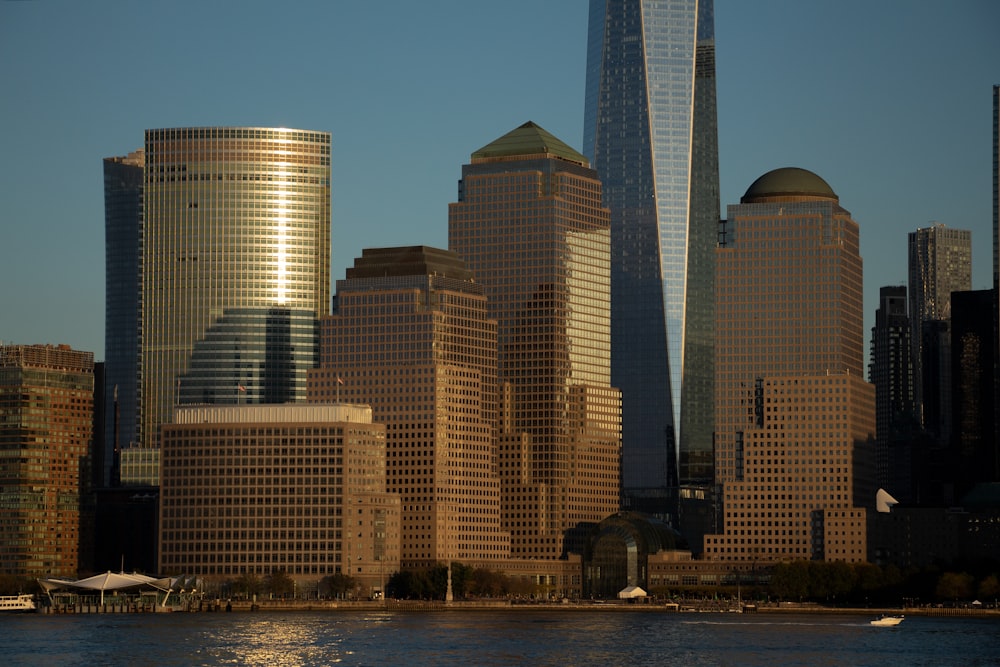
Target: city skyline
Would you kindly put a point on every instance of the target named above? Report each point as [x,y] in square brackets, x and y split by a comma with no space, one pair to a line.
[897,119]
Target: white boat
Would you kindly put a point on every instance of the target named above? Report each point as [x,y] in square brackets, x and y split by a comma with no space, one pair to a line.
[13,603]
[887,621]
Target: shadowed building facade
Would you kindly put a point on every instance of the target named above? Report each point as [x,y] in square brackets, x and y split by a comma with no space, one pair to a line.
[939,263]
[530,224]
[410,335]
[796,420]
[650,131]
[236,266]
[899,450]
[123,188]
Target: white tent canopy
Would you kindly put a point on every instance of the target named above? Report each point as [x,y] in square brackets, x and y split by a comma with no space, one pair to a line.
[109,581]
[630,592]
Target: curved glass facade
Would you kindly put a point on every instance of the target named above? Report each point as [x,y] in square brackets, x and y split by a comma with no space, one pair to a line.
[650,132]
[236,258]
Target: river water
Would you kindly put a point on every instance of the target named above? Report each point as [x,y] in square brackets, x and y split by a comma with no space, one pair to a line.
[495,637]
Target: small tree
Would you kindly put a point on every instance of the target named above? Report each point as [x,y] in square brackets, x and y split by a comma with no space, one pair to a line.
[280,584]
[954,586]
[989,587]
[249,584]
[337,585]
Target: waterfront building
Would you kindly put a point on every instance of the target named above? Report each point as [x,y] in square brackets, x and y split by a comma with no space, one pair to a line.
[255,489]
[46,430]
[123,188]
[897,428]
[796,420]
[530,224]
[650,131]
[410,335]
[235,267]
[940,262]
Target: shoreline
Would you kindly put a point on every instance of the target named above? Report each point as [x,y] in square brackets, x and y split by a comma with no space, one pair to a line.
[609,606]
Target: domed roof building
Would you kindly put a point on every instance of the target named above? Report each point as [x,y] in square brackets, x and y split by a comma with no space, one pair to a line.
[795,418]
[788,184]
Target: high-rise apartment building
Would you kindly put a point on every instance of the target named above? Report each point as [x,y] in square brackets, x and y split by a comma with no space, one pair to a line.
[46,429]
[796,420]
[235,266]
[530,224]
[263,488]
[650,131]
[409,335]
[891,371]
[940,262]
[123,187]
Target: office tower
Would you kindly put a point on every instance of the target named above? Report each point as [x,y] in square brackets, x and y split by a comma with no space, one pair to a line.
[123,185]
[973,446]
[236,266]
[530,224]
[260,488]
[650,131]
[409,335]
[891,371]
[996,247]
[46,428]
[940,262]
[796,420]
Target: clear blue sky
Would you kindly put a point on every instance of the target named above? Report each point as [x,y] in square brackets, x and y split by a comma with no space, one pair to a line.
[890,101]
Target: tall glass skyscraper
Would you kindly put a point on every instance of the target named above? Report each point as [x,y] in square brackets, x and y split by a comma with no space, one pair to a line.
[236,266]
[123,183]
[650,131]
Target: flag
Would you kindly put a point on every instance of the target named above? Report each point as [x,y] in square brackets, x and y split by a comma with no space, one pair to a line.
[340,380]
[241,388]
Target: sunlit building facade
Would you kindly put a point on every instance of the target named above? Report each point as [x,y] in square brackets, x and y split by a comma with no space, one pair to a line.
[650,131]
[236,266]
[254,489]
[46,430]
[410,335]
[530,224]
[796,419]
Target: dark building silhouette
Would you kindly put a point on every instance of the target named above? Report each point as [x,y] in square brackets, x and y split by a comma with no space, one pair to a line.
[940,262]
[897,428]
[973,452]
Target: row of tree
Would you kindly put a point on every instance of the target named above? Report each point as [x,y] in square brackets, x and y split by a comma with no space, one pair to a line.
[279,584]
[865,583]
[466,582]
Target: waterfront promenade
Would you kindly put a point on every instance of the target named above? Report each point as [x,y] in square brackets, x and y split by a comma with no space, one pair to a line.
[123,605]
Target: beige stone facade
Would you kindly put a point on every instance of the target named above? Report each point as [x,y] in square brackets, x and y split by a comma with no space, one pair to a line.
[410,336]
[299,488]
[795,419]
[531,226]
